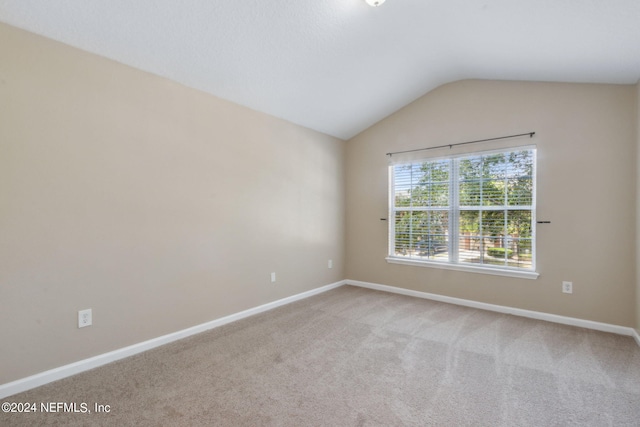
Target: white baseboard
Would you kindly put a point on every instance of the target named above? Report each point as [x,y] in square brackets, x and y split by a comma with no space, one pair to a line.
[605,327]
[55,374]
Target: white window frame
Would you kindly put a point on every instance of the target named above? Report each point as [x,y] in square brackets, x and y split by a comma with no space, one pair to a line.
[454,209]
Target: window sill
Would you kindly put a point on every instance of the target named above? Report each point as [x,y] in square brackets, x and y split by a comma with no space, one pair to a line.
[468,268]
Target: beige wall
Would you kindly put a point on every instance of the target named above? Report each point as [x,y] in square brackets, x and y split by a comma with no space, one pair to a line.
[585,135]
[155,205]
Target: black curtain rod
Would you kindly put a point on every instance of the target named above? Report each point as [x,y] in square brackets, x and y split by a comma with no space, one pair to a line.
[464,143]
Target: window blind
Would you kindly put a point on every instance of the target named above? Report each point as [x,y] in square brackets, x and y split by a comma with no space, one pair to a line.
[472,209]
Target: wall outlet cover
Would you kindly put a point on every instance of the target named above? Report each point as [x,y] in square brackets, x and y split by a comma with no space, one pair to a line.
[85,318]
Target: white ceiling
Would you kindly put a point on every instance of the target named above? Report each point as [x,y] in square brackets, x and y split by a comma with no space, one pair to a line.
[339,66]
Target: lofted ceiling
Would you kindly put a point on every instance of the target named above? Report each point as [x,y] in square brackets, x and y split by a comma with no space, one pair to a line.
[339,66]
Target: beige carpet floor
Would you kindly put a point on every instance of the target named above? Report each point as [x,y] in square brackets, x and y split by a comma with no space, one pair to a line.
[357,357]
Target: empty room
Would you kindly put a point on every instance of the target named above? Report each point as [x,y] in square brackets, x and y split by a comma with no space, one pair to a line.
[320,213]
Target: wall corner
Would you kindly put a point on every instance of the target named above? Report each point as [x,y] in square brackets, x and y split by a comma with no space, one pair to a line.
[637,116]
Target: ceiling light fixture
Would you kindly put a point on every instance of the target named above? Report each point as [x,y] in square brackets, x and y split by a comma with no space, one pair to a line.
[374,3]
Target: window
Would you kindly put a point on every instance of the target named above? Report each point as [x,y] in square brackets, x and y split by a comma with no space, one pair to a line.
[472,212]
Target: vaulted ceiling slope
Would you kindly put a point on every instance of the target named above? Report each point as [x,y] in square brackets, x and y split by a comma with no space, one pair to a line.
[339,66]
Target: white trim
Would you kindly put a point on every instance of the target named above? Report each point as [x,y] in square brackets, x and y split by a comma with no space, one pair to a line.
[604,327]
[521,274]
[61,372]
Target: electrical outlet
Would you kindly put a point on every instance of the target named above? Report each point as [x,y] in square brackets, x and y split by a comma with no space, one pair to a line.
[330,263]
[273,277]
[567,287]
[84,318]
